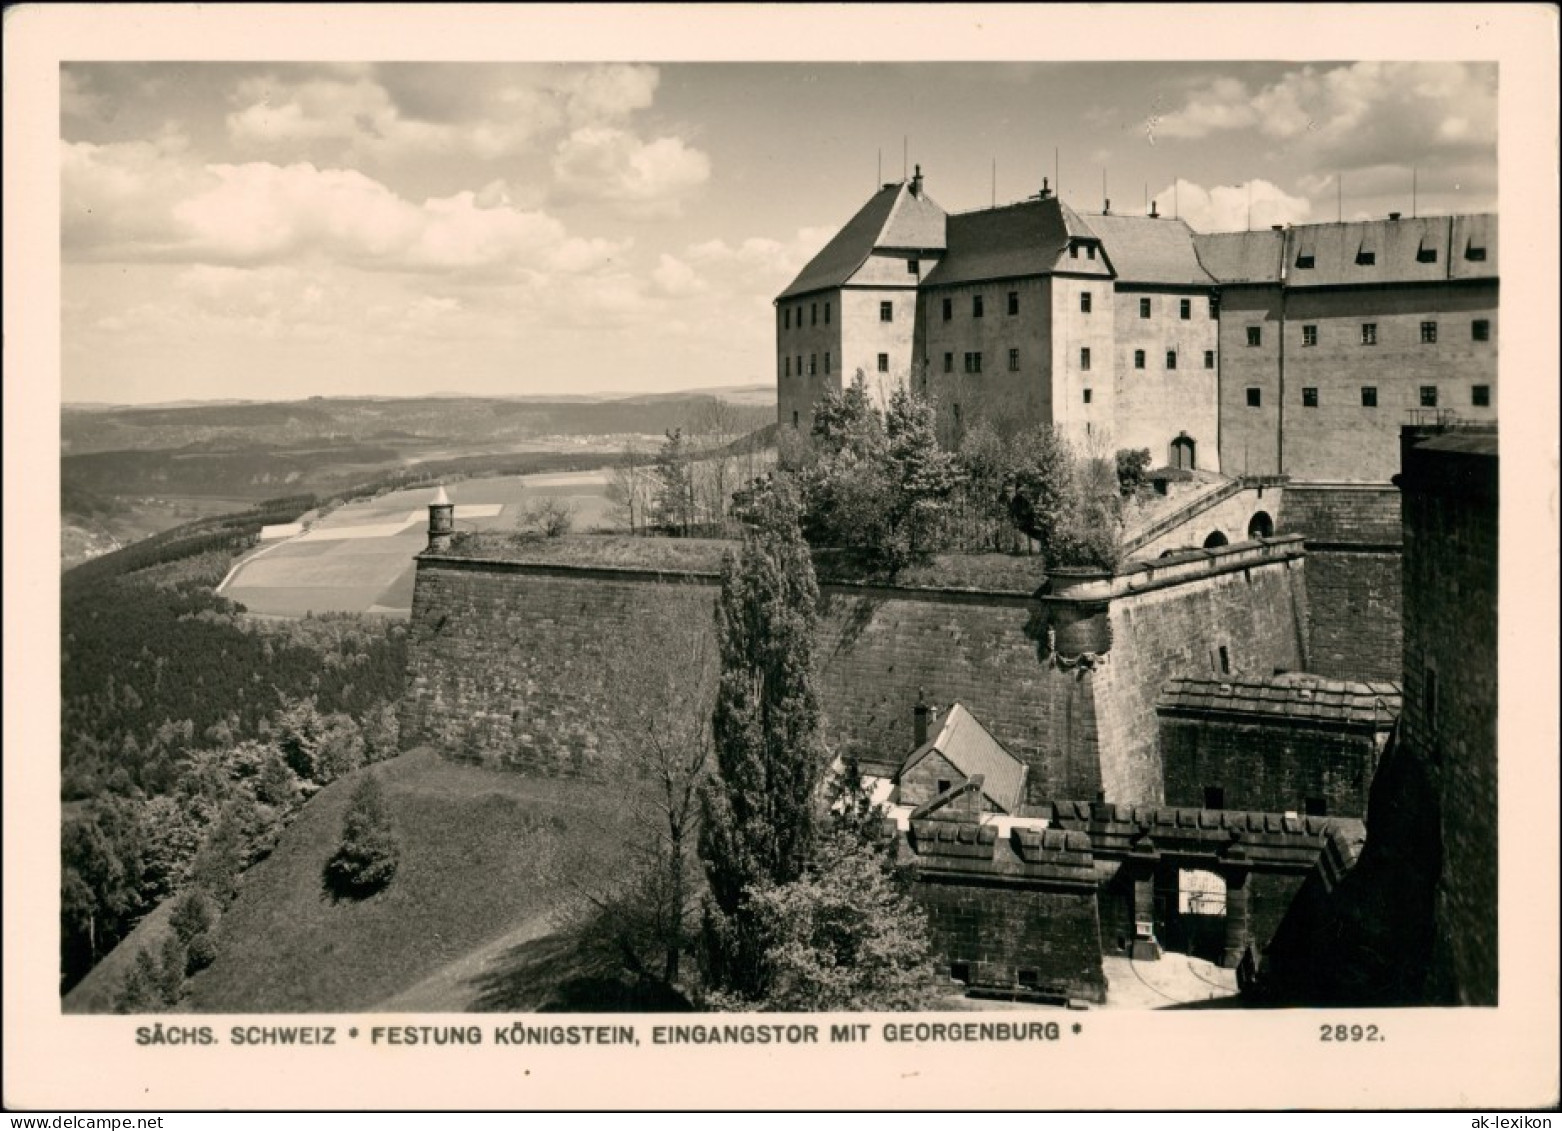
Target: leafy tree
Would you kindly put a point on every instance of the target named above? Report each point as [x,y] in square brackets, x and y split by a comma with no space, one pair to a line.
[758,811]
[549,517]
[140,990]
[985,489]
[843,936]
[923,474]
[1043,489]
[193,914]
[1132,464]
[368,854]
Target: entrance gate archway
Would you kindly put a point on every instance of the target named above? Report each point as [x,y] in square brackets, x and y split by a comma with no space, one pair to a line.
[1183,452]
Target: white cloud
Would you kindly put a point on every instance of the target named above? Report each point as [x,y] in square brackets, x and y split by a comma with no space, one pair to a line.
[1363,113]
[609,93]
[642,178]
[1228,208]
[676,278]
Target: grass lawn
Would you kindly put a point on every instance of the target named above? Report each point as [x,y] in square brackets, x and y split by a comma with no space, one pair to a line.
[481,856]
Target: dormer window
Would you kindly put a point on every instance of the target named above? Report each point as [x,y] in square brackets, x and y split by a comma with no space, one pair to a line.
[1305,262]
[1090,251]
[1425,254]
[1365,258]
[1475,254]
[1073,251]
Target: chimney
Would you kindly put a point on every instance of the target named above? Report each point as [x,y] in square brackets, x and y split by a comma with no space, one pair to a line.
[1277,227]
[916,182]
[919,721]
[1106,209]
[1393,215]
[441,521]
[1046,192]
[1154,215]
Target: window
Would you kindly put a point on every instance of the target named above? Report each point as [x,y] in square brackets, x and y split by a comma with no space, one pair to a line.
[1171,359]
[1029,979]
[1369,333]
[1084,302]
[1255,397]
[949,309]
[1428,333]
[1316,807]
[949,363]
[1304,262]
[1138,359]
[1428,396]
[813,314]
[943,785]
[826,314]
[1087,396]
[1214,306]
[1073,251]
[1426,254]
[1084,358]
[794,418]
[1365,258]
[1480,396]
[827,364]
[1214,797]
[786,366]
[976,306]
[1090,251]
[813,364]
[911,266]
[957,413]
[1255,335]
[1309,397]
[799,365]
[1475,254]
[1185,308]
[1144,308]
[1014,361]
[786,318]
[1225,669]
[883,363]
[973,363]
[1209,359]
[1369,396]
[1014,302]
[1309,335]
[1480,330]
[886,312]
[960,971]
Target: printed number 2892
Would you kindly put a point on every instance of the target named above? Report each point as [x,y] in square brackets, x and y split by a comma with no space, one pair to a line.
[1349,1033]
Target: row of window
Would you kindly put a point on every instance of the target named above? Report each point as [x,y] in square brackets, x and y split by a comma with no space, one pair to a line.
[813,364]
[973,361]
[791,315]
[1480,396]
[1480,331]
[1366,257]
[1184,308]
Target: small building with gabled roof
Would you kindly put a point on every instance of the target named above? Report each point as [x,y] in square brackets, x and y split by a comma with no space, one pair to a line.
[958,750]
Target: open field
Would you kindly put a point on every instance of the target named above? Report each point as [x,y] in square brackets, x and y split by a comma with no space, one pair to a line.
[358,558]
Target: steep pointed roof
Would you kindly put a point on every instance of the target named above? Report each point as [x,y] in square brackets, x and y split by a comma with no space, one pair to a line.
[1007,242]
[895,217]
[968,746]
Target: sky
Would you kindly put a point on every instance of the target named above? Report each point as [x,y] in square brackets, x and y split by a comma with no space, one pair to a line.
[277,231]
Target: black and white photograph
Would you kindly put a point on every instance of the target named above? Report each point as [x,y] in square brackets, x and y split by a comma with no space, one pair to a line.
[670,558]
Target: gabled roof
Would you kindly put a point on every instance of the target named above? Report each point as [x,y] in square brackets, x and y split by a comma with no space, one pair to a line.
[1142,249]
[1004,243]
[1241,257]
[967,746]
[893,217]
[1291,696]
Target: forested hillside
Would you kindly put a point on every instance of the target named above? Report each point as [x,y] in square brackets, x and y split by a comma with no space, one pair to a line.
[190,734]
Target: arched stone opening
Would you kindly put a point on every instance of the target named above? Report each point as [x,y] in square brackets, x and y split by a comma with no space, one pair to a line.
[1216,538]
[1261,526]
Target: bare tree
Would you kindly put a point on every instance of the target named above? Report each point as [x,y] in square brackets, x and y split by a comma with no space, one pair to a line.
[630,487]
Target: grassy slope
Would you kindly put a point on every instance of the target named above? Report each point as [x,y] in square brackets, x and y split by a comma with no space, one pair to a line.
[477,867]
[96,992]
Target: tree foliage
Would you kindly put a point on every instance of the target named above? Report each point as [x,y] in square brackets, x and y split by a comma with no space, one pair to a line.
[758,811]
[368,854]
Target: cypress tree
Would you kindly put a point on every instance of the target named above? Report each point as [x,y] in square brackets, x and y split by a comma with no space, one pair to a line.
[759,809]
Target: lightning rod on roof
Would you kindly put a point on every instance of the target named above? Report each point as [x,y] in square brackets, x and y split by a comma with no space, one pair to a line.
[1057,176]
[1412,192]
[995,182]
[905,154]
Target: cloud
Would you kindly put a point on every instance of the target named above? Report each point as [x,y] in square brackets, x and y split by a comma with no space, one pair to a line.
[643,179]
[676,278]
[1226,208]
[148,202]
[1360,114]
[609,93]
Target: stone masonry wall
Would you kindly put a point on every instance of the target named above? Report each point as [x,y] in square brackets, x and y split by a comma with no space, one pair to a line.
[1354,581]
[1255,614]
[999,930]
[1272,769]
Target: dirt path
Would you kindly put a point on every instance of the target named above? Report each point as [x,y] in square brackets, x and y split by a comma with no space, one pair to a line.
[452,988]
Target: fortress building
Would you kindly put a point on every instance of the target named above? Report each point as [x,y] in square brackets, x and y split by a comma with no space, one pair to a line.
[1294,352]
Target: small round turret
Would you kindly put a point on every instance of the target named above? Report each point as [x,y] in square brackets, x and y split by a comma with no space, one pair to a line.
[441,521]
